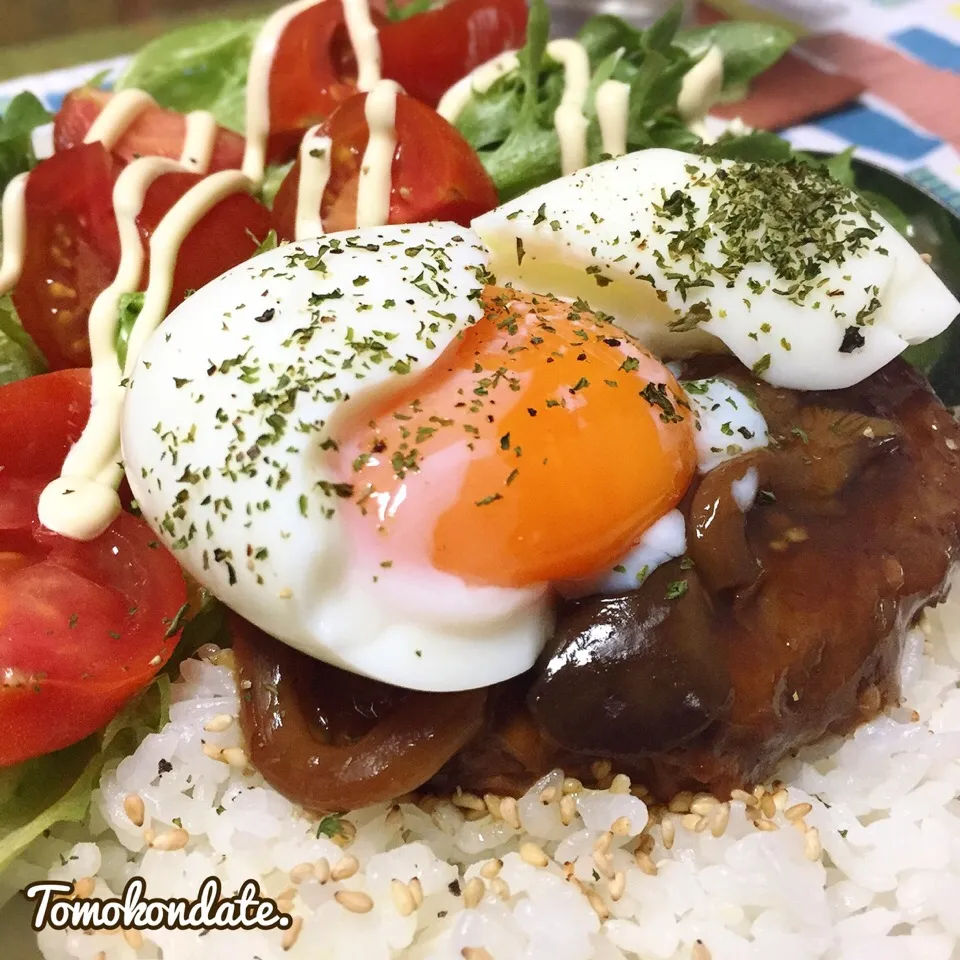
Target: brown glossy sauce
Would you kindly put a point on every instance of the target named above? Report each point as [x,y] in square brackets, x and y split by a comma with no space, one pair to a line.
[791,626]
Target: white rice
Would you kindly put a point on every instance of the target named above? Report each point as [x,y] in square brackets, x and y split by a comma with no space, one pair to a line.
[884,807]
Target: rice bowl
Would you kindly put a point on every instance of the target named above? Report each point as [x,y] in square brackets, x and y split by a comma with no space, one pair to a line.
[469,513]
[856,855]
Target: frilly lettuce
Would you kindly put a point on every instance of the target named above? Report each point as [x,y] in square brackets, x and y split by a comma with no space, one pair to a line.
[511,124]
[200,67]
[23,115]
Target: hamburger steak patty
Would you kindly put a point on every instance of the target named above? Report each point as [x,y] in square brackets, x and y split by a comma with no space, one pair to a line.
[788,625]
[785,622]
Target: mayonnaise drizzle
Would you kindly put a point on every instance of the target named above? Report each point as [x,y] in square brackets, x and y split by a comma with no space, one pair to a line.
[570,122]
[82,502]
[700,90]
[258,86]
[14,219]
[199,140]
[613,111]
[480,80]
[108,128]
[373,190]
[568,119]
[365,40]
[165,243]
[117,116]
[314,174]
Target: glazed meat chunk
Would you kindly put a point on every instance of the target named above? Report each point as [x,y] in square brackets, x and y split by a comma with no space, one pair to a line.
[789,622]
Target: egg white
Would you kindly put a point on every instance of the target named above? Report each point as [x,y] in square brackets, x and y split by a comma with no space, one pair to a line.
[229,439]
[596,235]
[728,422]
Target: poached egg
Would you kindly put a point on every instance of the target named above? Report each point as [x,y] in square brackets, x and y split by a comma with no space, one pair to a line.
[778,264]
[230,440]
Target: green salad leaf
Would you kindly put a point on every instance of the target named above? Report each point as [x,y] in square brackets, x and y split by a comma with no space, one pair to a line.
[37,794]
[275,175]
[758,146]
[405,11]
[510,125]
[19,355]
[130,306]
[269,242]
[199,67]
[23,115]
[748,48]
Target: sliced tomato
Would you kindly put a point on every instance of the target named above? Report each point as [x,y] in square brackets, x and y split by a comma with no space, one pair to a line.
[83,626]
[154,133]
[72,250]
[435,174]
[73,247]
[428,53]
[314,70]
[224,237]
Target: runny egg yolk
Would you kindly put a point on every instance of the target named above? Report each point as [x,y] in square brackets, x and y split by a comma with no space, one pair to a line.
[539,447]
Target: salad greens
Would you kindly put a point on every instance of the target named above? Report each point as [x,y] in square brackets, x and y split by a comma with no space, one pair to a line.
[57,788]
[397,12]
[23,114]
[511,127]
[748,48]
[511,124]
[130,306]
[200,67]
[19,355]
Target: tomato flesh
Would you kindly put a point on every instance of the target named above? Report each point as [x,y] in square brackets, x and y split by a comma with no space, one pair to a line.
[314,71]
[83,626]
[435,174]
[428,53]
[72,250]
[156,132]
[225,236]
[73,247]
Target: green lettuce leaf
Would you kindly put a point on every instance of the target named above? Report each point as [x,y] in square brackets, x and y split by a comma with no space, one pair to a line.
[37,794]
[275,175]
[19,356]
[269,242]
[200,67]
[130,306]
[23,114]
[511,124]
[748,48]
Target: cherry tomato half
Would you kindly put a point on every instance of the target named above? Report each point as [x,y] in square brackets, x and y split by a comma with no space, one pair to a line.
[72,250]
[73,247]
[314,70]
[428,53]
[154,133]
[83,626]
[435,174]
